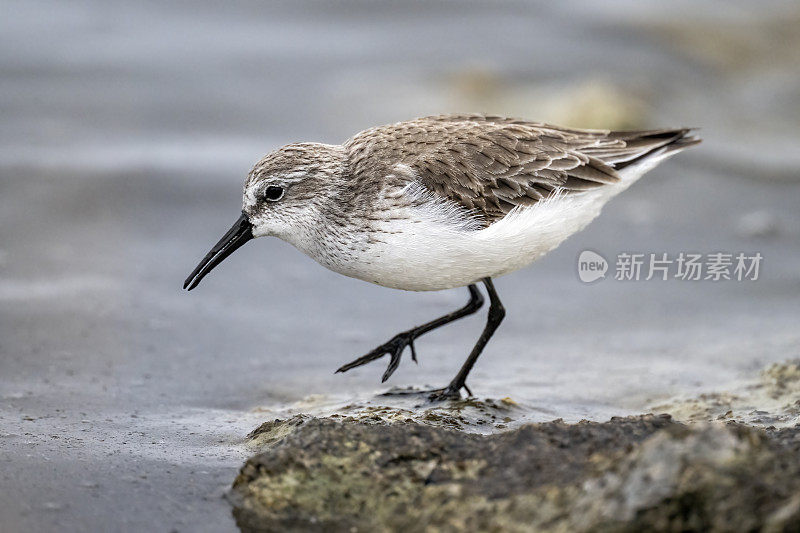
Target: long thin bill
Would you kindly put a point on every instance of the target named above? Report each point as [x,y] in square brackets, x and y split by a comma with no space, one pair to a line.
[240,233]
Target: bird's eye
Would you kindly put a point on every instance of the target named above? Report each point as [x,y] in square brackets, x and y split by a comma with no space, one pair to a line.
[273,193]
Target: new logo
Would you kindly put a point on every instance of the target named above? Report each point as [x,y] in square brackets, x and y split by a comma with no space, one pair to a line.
[591,266]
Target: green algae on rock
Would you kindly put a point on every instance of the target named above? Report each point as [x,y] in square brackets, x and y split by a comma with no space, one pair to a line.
[622,475]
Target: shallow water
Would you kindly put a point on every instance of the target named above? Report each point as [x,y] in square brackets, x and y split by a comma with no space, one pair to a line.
[127,130]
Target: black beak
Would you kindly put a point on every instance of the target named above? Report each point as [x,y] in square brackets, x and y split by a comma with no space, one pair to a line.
[240,233]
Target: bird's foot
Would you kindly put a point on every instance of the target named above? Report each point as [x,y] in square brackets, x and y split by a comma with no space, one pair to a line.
[451,392]
[394,348]
[432,395]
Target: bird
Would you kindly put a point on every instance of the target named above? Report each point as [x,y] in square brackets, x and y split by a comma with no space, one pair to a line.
[440,202]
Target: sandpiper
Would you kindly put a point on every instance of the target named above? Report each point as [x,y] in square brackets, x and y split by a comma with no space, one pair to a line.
[439,202]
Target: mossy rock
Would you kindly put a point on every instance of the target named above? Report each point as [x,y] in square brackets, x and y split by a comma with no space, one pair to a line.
[627,474]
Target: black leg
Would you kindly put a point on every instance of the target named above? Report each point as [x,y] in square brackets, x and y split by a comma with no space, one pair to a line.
[395,346]
[496,314]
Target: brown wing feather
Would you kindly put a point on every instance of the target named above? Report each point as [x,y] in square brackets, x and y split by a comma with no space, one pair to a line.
[490,165]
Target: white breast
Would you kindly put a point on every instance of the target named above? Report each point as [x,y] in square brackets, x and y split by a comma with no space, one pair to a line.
[425,253]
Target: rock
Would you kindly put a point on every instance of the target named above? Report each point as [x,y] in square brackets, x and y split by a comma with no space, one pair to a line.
[627,474]
[773,399]
[712,478]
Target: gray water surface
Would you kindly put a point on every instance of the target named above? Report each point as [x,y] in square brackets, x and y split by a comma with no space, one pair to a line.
[128,128]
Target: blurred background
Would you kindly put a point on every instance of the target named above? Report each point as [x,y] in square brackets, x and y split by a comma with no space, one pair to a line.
[128,128]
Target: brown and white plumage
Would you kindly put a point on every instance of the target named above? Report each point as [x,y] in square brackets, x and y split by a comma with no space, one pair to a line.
[490,165]
[440,202]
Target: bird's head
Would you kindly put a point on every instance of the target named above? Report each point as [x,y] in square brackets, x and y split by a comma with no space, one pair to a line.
[289,186]
[284,195]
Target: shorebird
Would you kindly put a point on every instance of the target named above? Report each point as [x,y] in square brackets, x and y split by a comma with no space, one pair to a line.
[437,203]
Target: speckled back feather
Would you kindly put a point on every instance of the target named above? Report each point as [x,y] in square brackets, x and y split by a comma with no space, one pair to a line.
[490,165]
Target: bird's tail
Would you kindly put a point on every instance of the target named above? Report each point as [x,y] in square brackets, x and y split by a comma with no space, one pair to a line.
[630,148]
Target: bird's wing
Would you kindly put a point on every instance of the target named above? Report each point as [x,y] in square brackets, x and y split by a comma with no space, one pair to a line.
[490,165]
